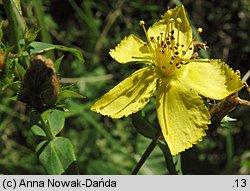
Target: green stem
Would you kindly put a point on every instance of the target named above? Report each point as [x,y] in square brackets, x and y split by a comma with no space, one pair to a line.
[45,36]
[168,157]
[144,157]
[16,23]
[230,148]
[47,130]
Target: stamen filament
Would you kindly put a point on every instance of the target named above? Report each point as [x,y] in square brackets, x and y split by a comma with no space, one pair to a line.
[199,30]
[167,27]
[146,44]
[142,23]
[161,39]
[179,21]
[171,35]
[171,23]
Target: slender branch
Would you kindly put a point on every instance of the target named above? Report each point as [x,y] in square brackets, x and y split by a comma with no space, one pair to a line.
[246,76]
[86,79]
[144,157]
[229,148]
[243,102]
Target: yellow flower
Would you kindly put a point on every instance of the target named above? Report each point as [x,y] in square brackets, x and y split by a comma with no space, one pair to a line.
[178,80]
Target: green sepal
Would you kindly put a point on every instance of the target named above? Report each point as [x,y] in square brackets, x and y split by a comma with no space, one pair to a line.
[144,127]
[68,94]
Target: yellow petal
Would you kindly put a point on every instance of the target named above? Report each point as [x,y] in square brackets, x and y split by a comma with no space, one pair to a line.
[182,115]
[185,30]
[213,79]
[130,49]
[156,29]
[129,96]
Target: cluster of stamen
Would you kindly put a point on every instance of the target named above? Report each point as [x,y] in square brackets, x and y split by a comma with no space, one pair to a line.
[167,51]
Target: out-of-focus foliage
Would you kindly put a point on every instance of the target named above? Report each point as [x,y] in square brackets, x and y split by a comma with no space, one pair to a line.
[105,146]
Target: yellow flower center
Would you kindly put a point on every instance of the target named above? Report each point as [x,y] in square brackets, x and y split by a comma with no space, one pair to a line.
[167,51]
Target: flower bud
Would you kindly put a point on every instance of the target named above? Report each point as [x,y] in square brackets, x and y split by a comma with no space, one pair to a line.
[40,85]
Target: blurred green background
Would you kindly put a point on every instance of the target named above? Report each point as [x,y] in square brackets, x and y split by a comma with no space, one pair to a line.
[106,146]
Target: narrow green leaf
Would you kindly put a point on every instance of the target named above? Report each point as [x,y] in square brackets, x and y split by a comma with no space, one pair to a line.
[58,63]
[38,131]
[14,98]
[17,4]
[20,70]
[56,121]
[1,31]
[40,47]
[68,94]
[57,155]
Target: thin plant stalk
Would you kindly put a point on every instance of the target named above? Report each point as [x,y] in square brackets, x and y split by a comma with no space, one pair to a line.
[45,36]
[229,148]
[144,157]
[17,25]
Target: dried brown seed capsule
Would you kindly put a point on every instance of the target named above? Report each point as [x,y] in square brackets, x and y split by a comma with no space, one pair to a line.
[40,84]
